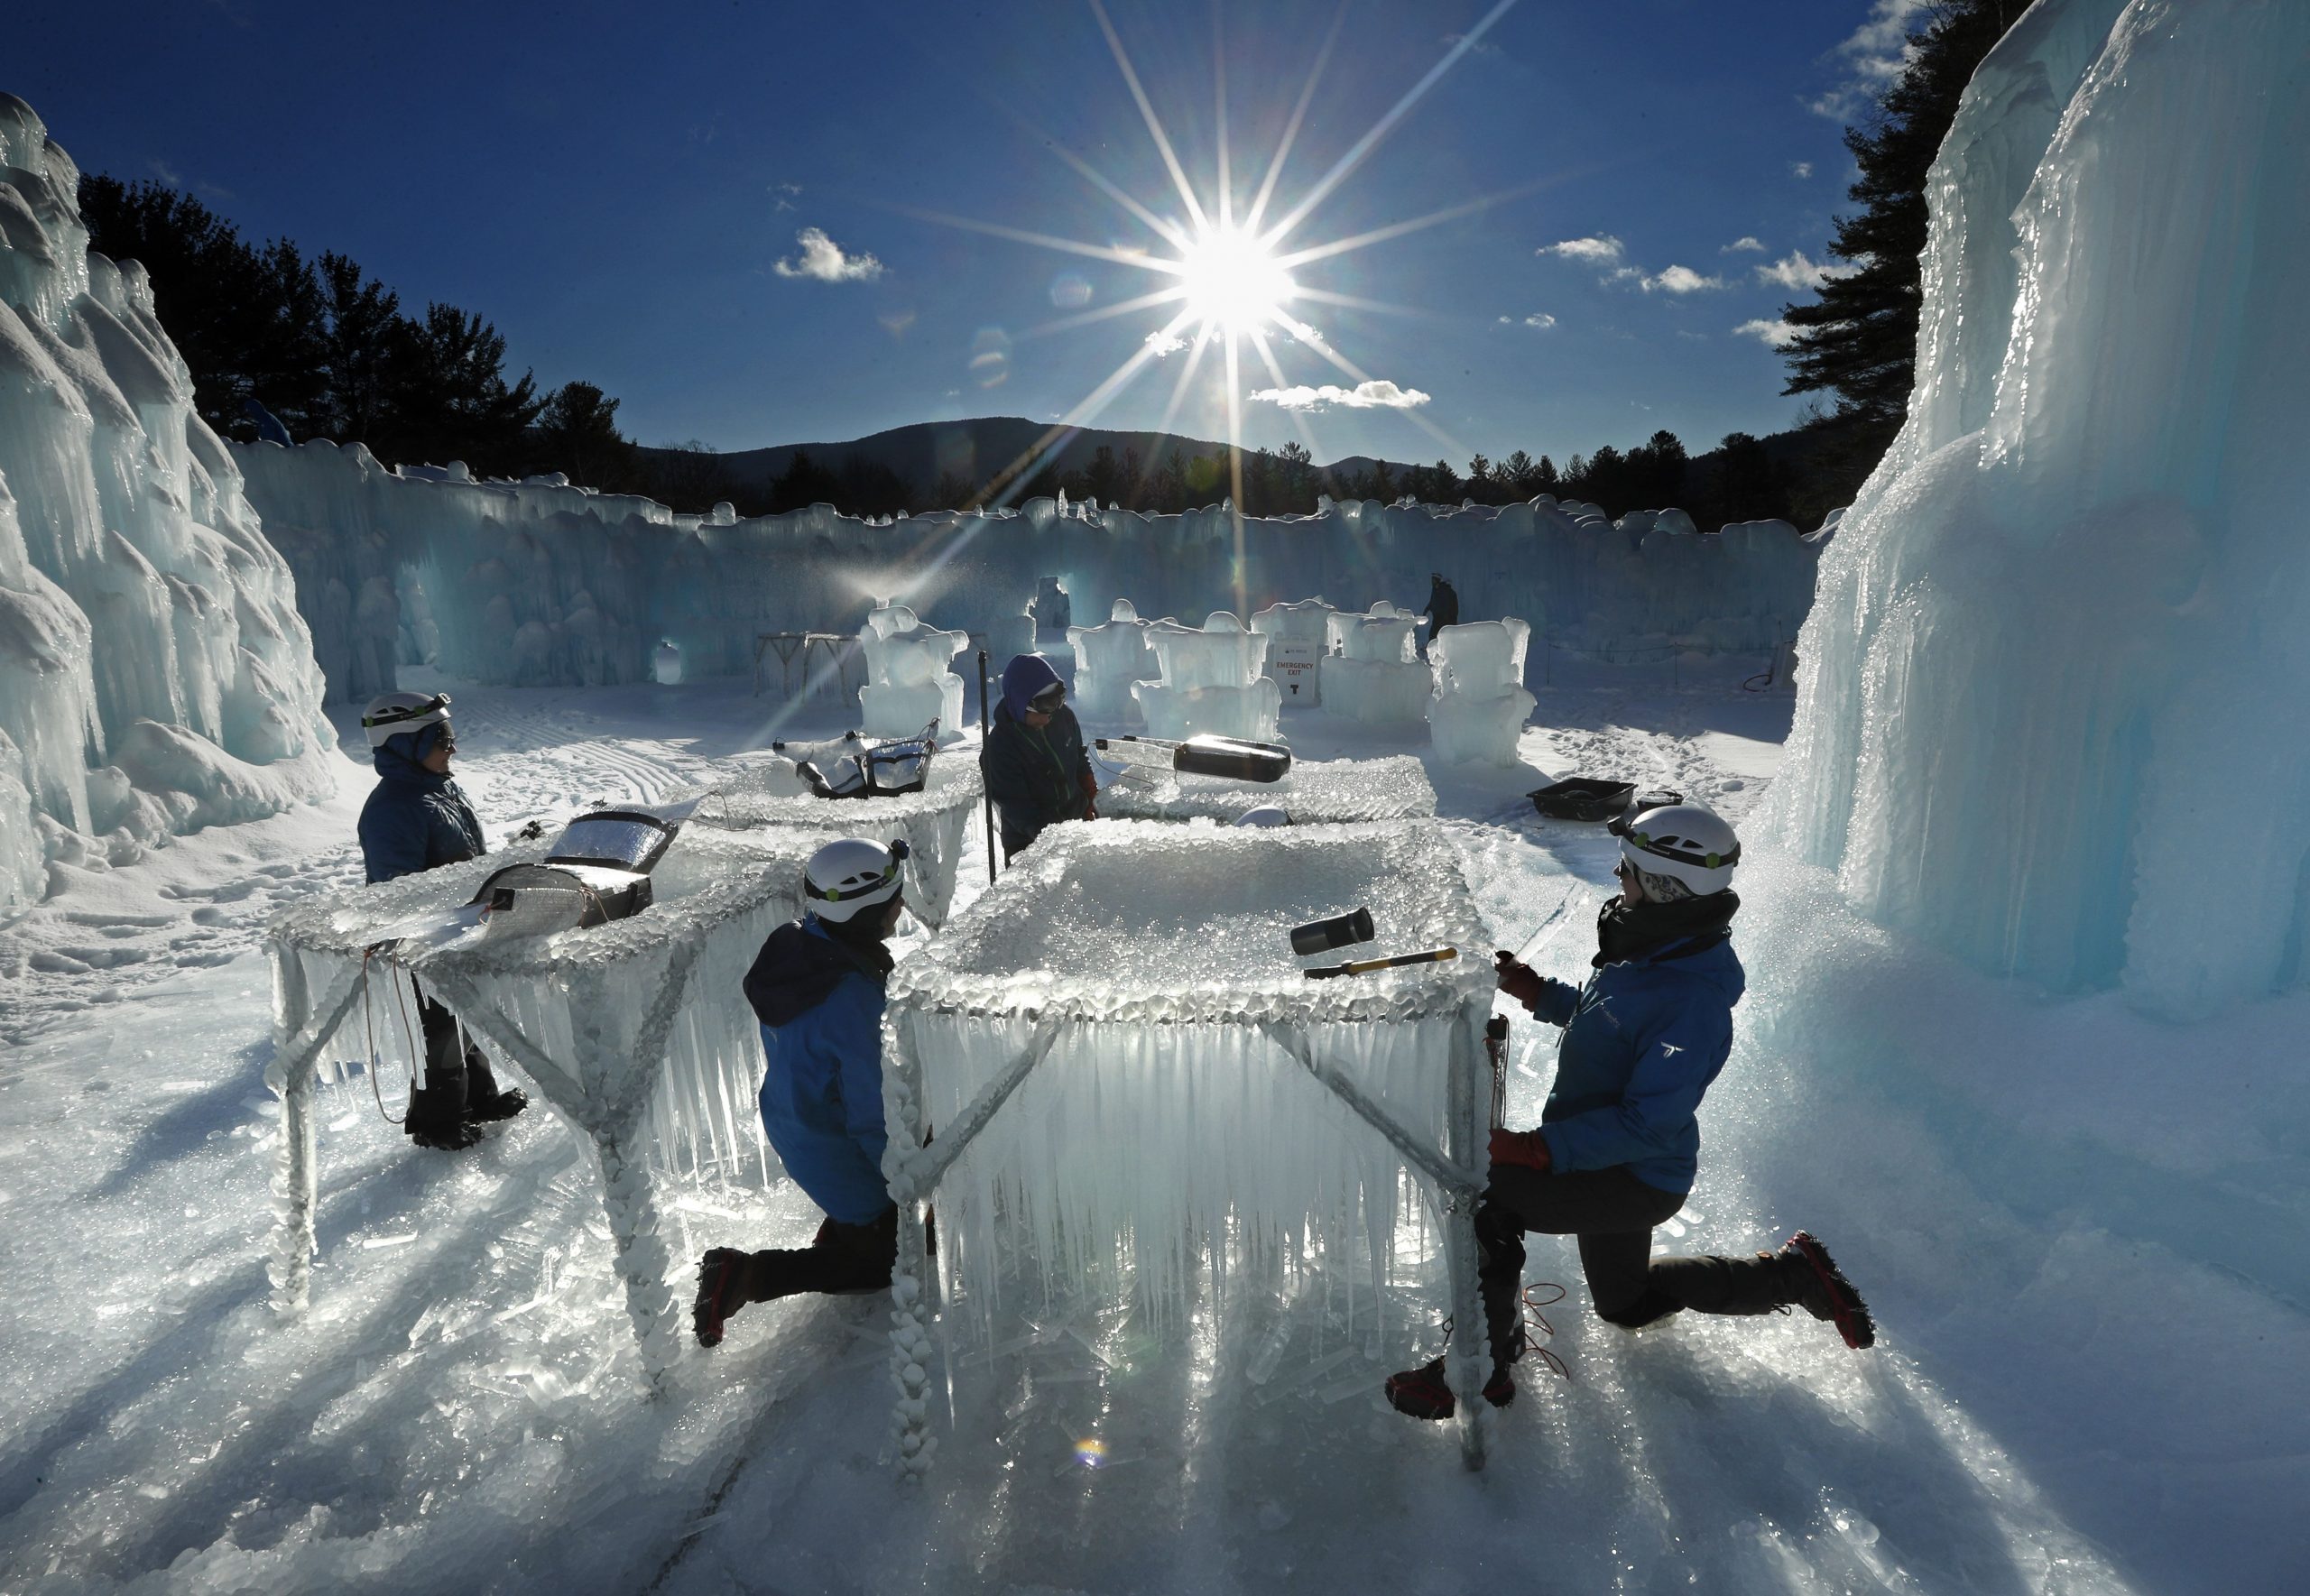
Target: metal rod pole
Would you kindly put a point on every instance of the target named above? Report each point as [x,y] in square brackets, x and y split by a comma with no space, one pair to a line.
[982,753]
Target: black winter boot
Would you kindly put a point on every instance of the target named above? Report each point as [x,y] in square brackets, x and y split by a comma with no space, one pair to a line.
[432,1123]
[486,1100]
[1818,1286]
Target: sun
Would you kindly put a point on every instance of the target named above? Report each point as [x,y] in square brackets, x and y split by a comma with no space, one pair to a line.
[1231,283]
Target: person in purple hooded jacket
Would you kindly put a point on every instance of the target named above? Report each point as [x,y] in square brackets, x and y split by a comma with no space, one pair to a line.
[1036,767]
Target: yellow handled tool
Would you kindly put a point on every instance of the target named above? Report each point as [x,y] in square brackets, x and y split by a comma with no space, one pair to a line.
[1434,956]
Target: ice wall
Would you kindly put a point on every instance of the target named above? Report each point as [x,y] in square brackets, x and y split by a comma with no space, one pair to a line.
[155,672]
[540,581]
[2051,718]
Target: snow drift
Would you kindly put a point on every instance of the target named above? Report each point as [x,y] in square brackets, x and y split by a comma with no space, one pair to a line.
[540,584]
[2051,721]
[154,673]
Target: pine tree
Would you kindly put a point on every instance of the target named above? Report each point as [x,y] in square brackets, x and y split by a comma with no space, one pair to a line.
[1858,339]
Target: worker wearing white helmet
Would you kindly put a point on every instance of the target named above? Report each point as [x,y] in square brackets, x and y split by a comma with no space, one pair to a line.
[417,818]
[816,990]
[1618,1143]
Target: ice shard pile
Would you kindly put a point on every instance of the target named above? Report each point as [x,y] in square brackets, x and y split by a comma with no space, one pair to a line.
[1314,792]
[1108,658]
[908,682]
[635,1031]
[541,582]
[2049,716]
[1369,670]
[1298,635]
[1136,984]
[772,797]
[155,676]
[1214,680]
[1481,704]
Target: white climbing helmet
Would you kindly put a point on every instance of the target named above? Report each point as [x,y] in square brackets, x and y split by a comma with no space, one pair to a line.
[845,877]
[391,713]
[1684,841]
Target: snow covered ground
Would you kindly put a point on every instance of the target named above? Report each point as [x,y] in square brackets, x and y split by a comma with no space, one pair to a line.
[2083,1235]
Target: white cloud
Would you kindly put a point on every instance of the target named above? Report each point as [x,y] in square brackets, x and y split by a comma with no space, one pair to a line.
[1540,319]
[783,195]
[1163,343]
[1800,169]
[1681,280]
[1798,274]
[1597,251]
[1746,241]
[823,260]
[1479,47]
[1779,335]
[167,173]
[1871,57]
[1371,395]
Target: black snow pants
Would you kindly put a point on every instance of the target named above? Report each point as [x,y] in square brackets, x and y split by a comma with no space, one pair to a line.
[457,1077]
[1611,1212]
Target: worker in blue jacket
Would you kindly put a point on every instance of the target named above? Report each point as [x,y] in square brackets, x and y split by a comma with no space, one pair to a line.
[417,818]
[1036,768]
[1619,1143]
[816,988]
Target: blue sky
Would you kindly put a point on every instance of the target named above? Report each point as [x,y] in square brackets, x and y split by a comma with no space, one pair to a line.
[618,189]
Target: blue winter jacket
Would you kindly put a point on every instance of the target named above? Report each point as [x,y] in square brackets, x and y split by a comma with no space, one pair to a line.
[414,820]
[1642,1041]
[821,1013]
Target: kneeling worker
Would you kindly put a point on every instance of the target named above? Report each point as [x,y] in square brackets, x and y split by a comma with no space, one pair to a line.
[1037,769]
[417,818]
[1618,1143]
[816,988]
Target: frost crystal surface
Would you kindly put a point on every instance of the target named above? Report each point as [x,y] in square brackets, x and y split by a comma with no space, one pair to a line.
[1316,791]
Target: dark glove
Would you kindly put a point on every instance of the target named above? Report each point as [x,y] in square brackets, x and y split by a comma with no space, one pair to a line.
[1519,981]
[1090,786]
[1527,1150]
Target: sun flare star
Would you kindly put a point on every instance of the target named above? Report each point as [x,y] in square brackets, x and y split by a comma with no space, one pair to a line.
[1223,279]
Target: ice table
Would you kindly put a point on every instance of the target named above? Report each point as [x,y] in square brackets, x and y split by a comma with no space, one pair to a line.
[771,797]
[1314,792]
[1119,1056]
[636,1032]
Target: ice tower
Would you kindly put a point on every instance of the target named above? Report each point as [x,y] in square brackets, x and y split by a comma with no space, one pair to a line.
[2051,719]
[155,676]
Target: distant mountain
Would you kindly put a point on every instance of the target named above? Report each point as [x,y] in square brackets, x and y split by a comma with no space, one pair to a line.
[980,449]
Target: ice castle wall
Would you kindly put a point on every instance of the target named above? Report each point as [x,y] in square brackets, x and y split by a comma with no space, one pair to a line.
[2051,715]
[541,582]
[155,672]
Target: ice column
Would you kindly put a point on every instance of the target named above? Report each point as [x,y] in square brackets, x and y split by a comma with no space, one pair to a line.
[1369,673]
[2051,715]
[1480,703]
[1108,658]
[154,673]
[1298,635]
[908,684]
[1213,682]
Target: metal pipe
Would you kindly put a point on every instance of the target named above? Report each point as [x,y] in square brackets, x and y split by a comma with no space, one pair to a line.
[989,796]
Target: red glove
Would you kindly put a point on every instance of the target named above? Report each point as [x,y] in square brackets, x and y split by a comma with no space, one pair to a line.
[1090,786]
[1519,981]
[1527,1150]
